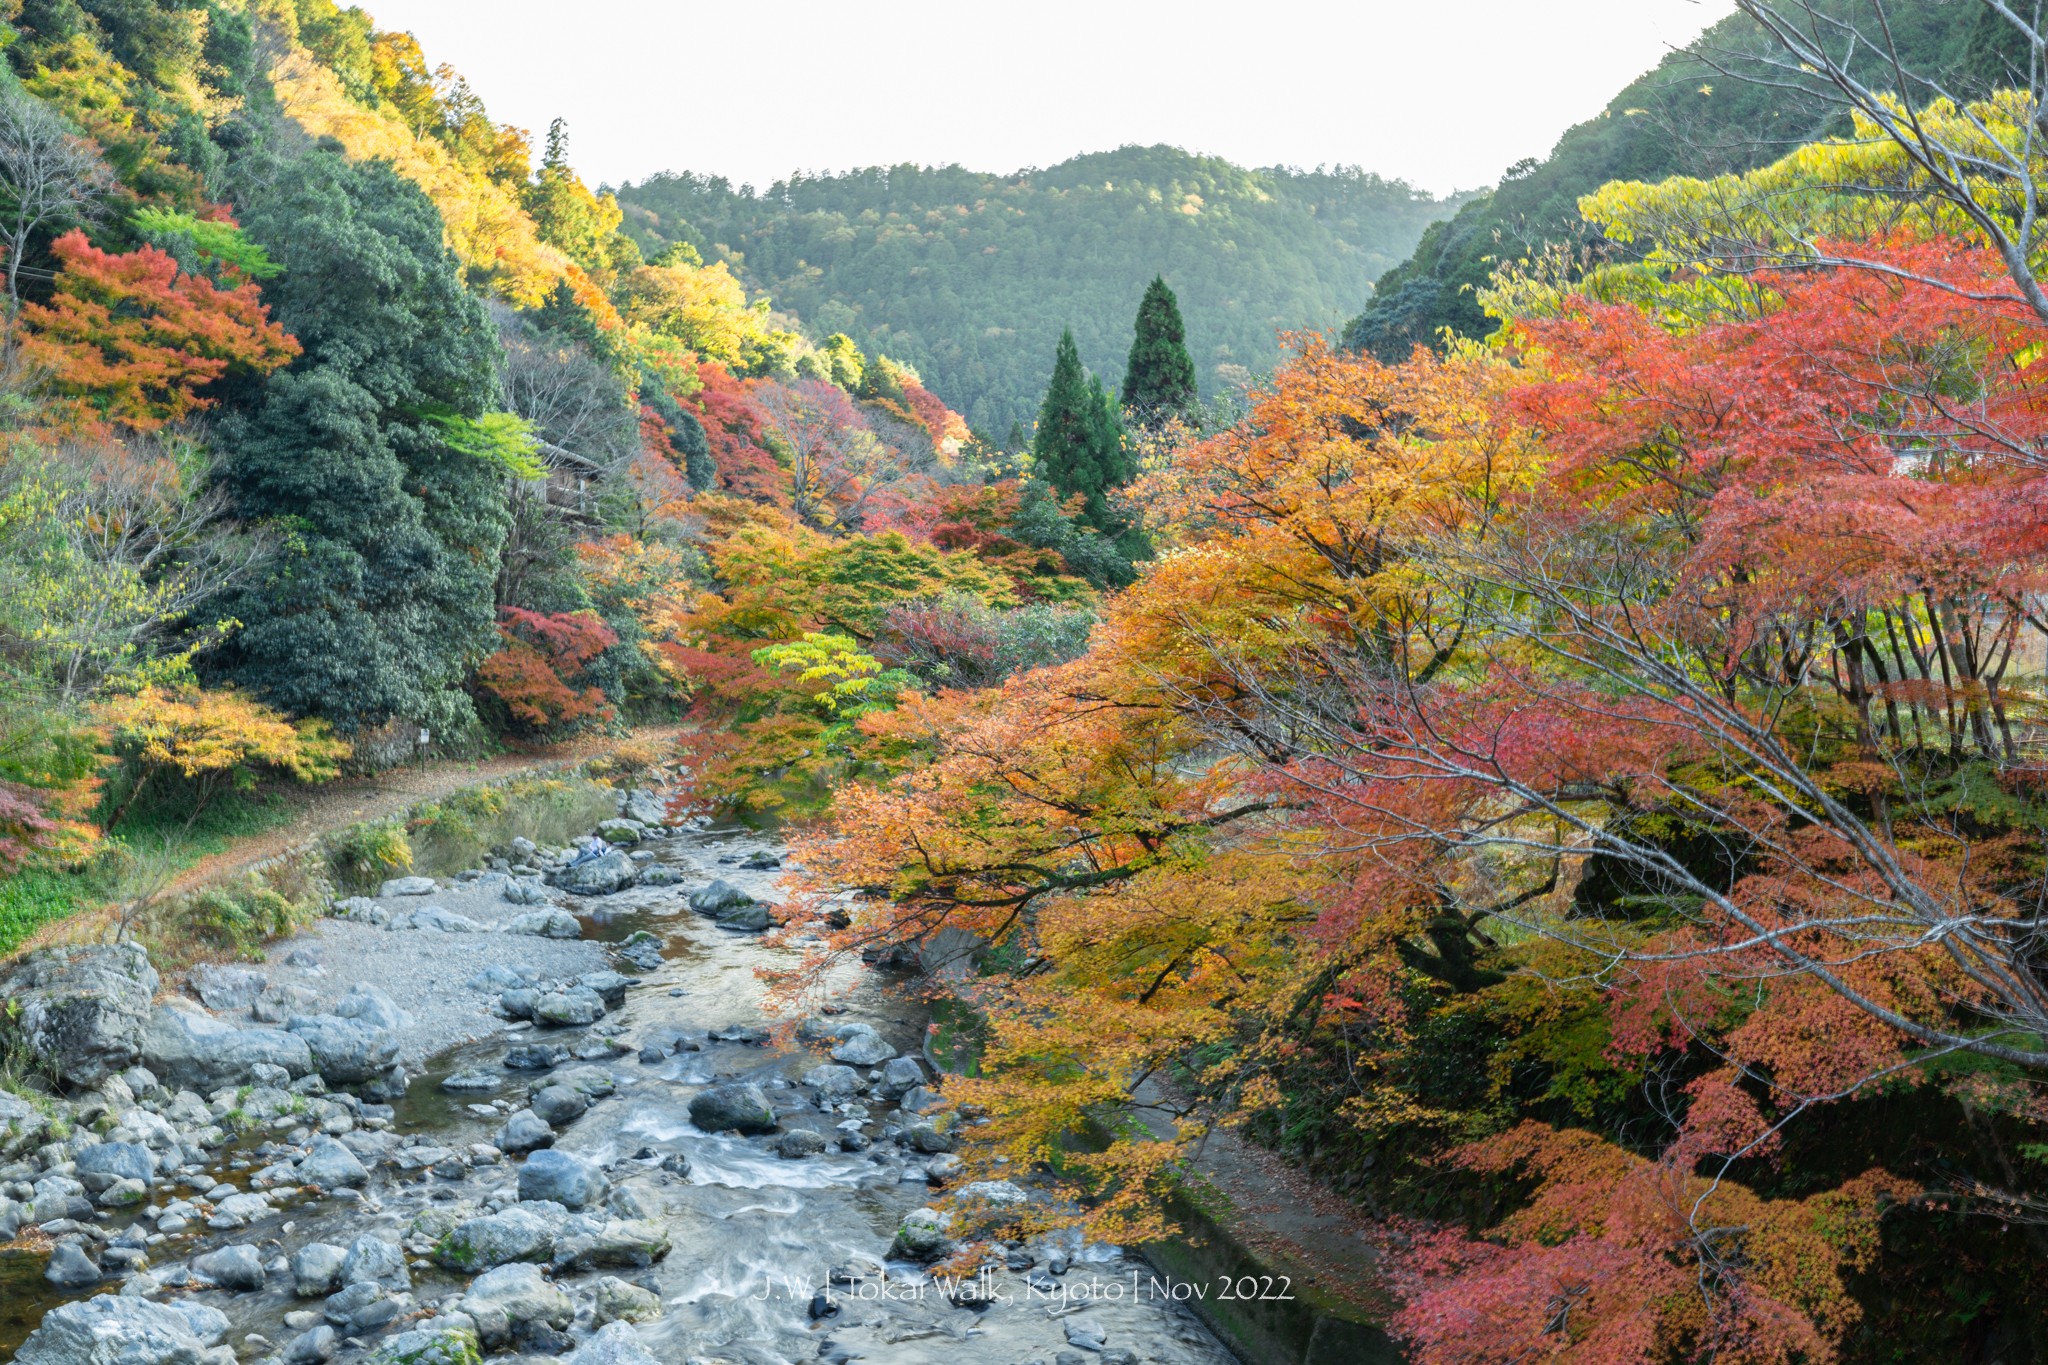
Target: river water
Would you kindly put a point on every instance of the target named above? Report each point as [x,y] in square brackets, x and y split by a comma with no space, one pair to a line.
[755,1237]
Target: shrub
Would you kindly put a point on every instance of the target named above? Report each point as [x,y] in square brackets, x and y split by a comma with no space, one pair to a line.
[958,641]
[362,856]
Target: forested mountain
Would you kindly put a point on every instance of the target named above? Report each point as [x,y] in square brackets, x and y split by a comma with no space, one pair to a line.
[970,277]
[1688,116]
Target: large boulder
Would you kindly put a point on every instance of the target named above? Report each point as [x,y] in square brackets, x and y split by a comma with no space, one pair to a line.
[599,876]
[518,1290]
[345,1051]
[628,1243]
[742,1105]
[331,1166]
[407,886]
[548,923]
[515,1234]
[189,1049]
[719,898]
[370,1005]
[372,1260]
[316,1269]
[238,1267]
[558,1105]
[860,1045]
[81,1011]
[621,831]
[114,1330]
[619,1301]
[225,988]
[569,1008]
[751,918]
[101,1166]
[646,807]
[924,1235]
[562,1178]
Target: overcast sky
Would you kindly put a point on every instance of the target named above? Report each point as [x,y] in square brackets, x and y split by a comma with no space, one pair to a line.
[1445,93]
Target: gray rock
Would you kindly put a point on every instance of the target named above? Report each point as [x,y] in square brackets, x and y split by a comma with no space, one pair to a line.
[71,1268]
[622,831]
[900,1074]
[525,892]
[926,1138]
[645,806]
[238,1211]
[799,1142]
[557,1105]
[372,1260]
[660,874]
[524,1132]
[345,1051]
[444,921]
[594,1082]
[81,1011]
[743,1106]
[515,1234]
[370,1005]
[519,1001]
[549,923]
[99,1167]
[609,985]
[630,1243]
[429,1345]
[500,978]
[471,1080]
[312,1346]
[833,1081]
[921,1099]
[192,1049]
[863,1047]
[569,1008]
[600,876]
[614,1344]
[618,1301]
[126,1330]
[316,1269]
[752,918]
[642,949]
[239,1267]
[361,910]
[225,988]
[923,1236]
[562,1178]
[283,999]
[331,1166]
[1089,1336]
[123,1194]
[718,898]
[407,886]
[535,1056]
[519,1291]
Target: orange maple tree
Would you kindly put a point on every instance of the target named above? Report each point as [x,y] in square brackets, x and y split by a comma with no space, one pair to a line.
[136,341]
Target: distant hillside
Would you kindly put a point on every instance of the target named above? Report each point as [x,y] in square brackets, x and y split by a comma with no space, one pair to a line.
[970,277]
[1686,117]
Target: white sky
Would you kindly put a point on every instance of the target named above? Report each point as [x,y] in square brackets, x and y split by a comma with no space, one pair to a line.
[1445,93]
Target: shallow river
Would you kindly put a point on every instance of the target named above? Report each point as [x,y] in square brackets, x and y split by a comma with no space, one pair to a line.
[755,1237]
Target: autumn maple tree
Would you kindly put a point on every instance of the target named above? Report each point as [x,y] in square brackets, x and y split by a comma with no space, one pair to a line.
[138,341]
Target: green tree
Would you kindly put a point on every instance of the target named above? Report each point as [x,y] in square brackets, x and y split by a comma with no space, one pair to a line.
[381,600]
[1078,447]
[1159,377]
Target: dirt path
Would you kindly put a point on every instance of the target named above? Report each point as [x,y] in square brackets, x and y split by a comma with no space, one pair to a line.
[385,794]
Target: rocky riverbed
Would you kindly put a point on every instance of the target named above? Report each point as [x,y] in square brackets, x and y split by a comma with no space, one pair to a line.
[531,1112]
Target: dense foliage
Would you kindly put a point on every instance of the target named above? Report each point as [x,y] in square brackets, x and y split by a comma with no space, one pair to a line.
[971,277]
